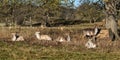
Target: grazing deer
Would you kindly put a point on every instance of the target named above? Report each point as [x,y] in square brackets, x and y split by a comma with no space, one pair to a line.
[16,37]
[90,44]
[62,39]
[42,37]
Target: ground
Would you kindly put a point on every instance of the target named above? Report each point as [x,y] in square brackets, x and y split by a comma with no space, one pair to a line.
[36,51]
[32,49]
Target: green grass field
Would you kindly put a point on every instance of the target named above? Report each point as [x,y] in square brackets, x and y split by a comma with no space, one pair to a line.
[32,49]
[26,51]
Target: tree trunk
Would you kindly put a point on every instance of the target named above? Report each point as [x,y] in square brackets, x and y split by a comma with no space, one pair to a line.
[90,21]
[30,22]
[111,20]
[112,27]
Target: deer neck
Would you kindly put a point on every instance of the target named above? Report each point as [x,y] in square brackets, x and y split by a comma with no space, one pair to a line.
[38,36]
[14,38]
[68,38]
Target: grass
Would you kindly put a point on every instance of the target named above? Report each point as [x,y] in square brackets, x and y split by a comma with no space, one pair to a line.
[31,49]
[26,51]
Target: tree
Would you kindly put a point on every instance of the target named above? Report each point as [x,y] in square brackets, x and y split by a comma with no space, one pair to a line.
[50,8]
[111,18]
[67,9]
[90,11]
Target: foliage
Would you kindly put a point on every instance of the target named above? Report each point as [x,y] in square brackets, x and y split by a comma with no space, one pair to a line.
[90,12]
[45,12]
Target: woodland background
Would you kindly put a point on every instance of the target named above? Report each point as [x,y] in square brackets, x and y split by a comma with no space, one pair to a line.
[50,12]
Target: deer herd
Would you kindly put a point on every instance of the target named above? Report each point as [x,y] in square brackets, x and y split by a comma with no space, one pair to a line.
[17,37]
[89,33]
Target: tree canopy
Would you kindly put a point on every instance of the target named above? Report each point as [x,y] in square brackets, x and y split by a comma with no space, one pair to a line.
[51,11]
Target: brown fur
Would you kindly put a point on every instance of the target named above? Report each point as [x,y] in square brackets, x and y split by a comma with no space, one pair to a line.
[103,34]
